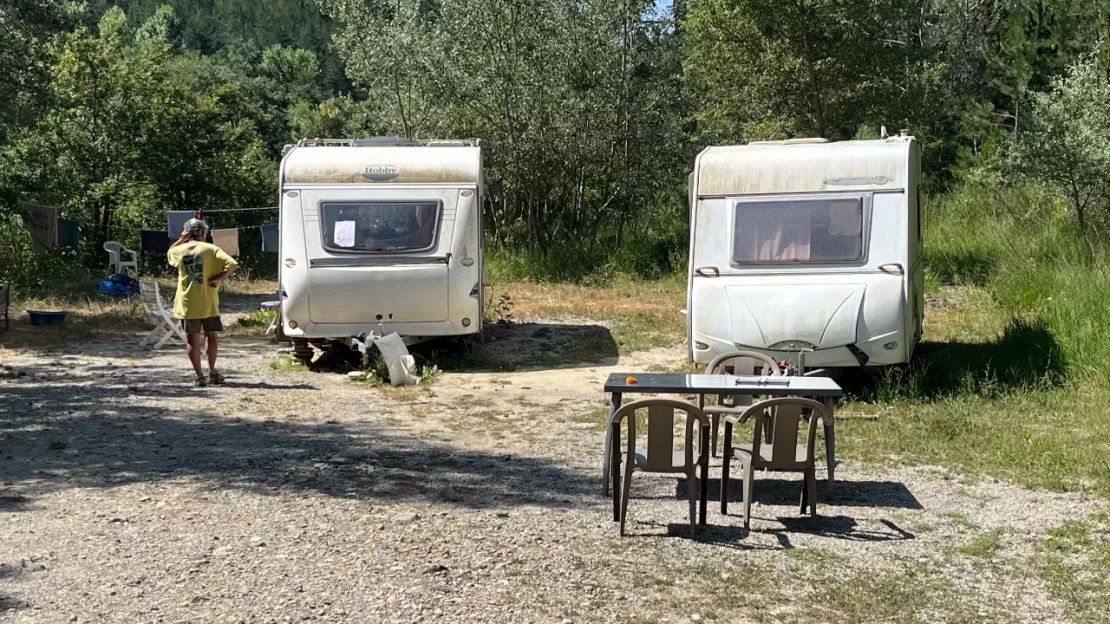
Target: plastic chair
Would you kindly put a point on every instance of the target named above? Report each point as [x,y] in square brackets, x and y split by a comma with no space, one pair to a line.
[166,327]
[660,456]
[782,453]
[741,363]
[116,263]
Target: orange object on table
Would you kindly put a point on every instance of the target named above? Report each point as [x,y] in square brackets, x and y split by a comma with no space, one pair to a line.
[630,380]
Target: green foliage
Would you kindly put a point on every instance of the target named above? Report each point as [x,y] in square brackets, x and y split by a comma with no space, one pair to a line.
[258,318]
[1064,142]
[26,28]
[578,105]
[814,68]
[214,26]
[122,139]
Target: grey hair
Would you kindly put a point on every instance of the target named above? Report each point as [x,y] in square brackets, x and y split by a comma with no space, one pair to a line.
[195,228]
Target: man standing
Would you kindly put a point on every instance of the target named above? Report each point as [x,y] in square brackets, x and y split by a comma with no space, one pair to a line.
[200,267]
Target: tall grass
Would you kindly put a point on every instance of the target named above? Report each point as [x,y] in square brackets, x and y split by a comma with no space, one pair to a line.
[1012,378]
[1022,245]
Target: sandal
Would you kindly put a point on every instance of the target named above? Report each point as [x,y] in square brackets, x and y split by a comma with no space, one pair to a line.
[216,378]
[200,381]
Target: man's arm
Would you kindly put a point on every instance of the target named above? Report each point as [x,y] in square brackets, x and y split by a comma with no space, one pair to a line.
[215,280]
[229,267]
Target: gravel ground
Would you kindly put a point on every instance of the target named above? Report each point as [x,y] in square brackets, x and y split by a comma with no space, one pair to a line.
[129,496]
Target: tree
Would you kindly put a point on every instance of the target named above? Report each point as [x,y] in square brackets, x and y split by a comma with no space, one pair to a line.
[807,68]
[122,136]
[577,103]
[26,28]
[1066,142]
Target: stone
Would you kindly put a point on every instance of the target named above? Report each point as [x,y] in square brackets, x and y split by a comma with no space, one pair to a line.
[435,569]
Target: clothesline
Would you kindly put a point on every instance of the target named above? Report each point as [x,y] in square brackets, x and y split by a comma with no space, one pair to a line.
[237,209]
[49,231]
[132,230]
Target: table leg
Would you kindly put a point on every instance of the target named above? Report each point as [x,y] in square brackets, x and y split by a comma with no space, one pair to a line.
[830,444]
[704,472]
[614,405]
[615,468]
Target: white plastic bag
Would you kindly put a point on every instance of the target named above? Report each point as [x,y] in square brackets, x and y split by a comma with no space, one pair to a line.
[402,366]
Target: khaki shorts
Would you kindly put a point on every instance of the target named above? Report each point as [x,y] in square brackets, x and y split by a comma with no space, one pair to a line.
[200,326]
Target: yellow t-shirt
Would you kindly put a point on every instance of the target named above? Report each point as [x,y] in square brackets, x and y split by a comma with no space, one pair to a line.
[196,262]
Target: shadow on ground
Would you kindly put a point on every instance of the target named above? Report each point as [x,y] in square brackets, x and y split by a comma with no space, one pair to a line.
[70,432]
[734,536]
[1026,355]
[774,491]
[516,346]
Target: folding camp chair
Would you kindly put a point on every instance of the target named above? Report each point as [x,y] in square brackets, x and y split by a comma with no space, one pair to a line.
[166,327]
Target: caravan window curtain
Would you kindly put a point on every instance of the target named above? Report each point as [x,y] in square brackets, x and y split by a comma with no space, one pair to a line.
[379,227]
[798,230]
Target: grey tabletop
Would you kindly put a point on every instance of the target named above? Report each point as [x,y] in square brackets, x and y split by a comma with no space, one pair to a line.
[679,383]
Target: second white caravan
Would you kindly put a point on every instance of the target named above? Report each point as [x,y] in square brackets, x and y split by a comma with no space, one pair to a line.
[807,247]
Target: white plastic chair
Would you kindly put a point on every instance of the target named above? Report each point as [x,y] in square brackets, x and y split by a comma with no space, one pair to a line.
[166,327]
[116,263]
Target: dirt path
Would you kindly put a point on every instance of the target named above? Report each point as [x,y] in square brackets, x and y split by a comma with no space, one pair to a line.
[129,496]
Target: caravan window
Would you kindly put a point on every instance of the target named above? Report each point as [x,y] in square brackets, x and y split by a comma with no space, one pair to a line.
[379,227]
[798,230]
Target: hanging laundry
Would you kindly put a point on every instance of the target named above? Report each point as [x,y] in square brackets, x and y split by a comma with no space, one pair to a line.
[177,219]
[228,240]
[67,233]
[270,237]
[42,223]
[153,241]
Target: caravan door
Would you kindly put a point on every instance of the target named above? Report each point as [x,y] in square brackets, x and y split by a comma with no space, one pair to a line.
[379,253]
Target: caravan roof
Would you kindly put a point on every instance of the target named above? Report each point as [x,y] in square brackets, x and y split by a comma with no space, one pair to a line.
[353,163]
[803,166]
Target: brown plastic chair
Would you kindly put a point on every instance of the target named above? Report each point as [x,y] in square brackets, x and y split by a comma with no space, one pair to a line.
[782,453]
[740,363]
[660,455]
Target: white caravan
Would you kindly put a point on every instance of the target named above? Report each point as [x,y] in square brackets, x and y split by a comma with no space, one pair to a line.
[379,236]
[805,249]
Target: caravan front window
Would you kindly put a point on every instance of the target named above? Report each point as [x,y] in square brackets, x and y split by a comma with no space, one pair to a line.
[798,230]
[379,227]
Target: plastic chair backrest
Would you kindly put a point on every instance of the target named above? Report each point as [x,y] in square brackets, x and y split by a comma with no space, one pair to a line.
[785,415]
[659,455]
[742,363]
[151,296]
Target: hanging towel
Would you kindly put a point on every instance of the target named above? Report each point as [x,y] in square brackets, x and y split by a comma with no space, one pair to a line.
[177,219]
[270,237]
[67,233]
[42,223]
[228,240]
[153,241]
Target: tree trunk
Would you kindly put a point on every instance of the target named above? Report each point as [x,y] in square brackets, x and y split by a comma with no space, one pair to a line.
[815,85]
